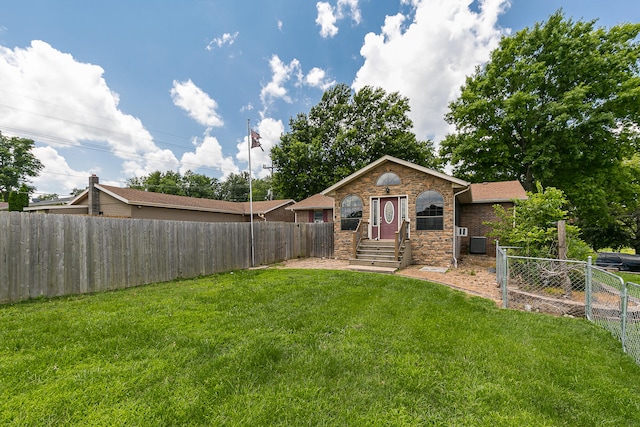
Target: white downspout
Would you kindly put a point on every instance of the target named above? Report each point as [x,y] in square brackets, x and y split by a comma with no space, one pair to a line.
[455,260]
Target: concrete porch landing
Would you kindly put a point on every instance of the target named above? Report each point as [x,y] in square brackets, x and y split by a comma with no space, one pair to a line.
[372,269]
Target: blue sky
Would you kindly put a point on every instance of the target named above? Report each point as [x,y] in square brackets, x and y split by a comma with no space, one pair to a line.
[123,88]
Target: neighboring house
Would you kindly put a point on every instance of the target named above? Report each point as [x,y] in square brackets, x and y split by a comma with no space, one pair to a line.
[106,200]
[317,208]
[4,206]
[436,208]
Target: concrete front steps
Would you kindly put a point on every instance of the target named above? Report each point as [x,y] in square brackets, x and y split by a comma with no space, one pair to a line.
[376,255]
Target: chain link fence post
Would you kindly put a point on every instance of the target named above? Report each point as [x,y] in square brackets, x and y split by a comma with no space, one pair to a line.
[624,303]
[588,290]
[505,278]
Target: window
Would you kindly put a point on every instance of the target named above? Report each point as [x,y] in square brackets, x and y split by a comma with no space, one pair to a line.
[403,209]
[350,212]
[317,216]
[429,211]
[388,178]
[376,212]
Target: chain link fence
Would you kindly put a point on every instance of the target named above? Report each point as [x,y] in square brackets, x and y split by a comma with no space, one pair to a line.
[575,288]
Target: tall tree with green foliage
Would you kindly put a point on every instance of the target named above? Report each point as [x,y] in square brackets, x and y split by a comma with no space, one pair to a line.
[532,225]
[557,103]
[17,164]
[620,226]
[235,188]
[344,132]
[18,200]
[172,182]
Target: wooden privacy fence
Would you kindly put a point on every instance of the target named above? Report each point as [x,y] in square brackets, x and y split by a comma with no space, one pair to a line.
[55,255]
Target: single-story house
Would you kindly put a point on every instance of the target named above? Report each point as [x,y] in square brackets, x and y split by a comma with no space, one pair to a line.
[317,208]
[110,201]
[431,212]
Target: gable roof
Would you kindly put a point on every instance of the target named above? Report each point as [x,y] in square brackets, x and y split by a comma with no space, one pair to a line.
[496,192]
[266,206]
[131,196]
[317,201]
[357,174]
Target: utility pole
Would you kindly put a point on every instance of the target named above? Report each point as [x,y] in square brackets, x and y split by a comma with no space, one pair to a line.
[270,168]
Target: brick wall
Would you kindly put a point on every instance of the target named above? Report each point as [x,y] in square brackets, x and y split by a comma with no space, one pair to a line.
[472,216]
[308,215]
[428,247]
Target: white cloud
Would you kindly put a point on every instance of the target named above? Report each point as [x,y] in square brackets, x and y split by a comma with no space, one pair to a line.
[428,60]
[270,131]
[197,103]
[65,103]
[354,10]
[227,39]
[281,74]
[317,77]
[328,16]
[57,176]
[326,19]
[208,153]
[153,161]
[280,25]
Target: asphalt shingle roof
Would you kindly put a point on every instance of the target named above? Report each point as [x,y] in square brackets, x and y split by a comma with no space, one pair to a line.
[147,198]
[493,192]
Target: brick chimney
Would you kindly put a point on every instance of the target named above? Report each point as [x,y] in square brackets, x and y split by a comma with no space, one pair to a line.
[94,196]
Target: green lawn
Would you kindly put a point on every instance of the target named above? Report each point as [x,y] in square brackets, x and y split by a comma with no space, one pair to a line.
[306,347]
[629,277]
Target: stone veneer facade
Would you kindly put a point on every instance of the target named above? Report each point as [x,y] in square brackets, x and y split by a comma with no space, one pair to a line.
[428,246]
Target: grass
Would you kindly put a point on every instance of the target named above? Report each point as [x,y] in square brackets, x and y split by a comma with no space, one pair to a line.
[306,347]
[629,277]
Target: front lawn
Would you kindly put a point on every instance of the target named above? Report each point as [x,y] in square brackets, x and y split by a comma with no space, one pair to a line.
[306,347]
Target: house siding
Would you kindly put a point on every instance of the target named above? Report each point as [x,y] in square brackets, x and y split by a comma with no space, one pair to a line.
[428,247]
[280,214]
[150,212]
[112,207]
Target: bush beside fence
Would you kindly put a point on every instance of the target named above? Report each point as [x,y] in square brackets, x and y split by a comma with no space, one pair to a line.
[55,255]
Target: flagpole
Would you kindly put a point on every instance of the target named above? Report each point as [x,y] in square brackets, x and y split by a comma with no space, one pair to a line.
[253,259]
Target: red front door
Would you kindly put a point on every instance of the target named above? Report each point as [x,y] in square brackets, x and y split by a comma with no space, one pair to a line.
[388,217]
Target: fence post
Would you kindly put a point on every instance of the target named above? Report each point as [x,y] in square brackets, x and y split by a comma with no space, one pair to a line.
[505,278]
[624,302]
[588,291]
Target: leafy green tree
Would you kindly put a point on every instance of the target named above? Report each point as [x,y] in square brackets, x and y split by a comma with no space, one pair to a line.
[532,225]
[263,189]
[235,188]
[77,191]
[344,132]
[18,200]
[17,164]
[200,186]
[558,104]
[168,182]
[171,182]
[45,197]
[620,226]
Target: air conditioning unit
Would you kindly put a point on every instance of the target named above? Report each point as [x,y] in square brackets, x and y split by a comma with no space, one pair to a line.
[478,245]
[462,231]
